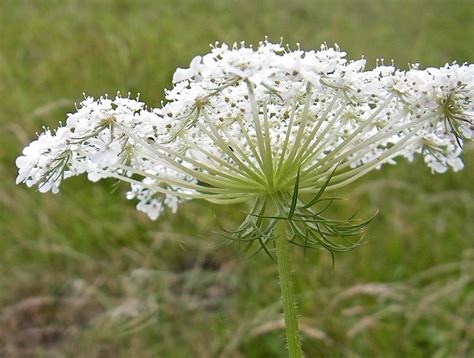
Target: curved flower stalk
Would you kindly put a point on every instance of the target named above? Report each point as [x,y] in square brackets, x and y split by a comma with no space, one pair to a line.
[266,125]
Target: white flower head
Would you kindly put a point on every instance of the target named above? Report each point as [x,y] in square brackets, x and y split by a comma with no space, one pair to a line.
[261,124]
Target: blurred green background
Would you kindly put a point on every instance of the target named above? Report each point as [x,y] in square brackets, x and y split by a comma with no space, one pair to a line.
[83,274]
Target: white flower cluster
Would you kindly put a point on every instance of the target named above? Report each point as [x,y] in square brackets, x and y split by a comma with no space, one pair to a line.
[242,123]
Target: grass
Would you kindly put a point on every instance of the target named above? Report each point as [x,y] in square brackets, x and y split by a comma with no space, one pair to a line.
[82,273]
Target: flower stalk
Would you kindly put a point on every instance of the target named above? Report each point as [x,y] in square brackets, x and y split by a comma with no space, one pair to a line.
[287,292]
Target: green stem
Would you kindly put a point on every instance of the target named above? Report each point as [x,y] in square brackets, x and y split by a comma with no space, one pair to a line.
[286,286]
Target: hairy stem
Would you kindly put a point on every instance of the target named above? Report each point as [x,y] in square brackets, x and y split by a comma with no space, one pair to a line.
[286,286]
